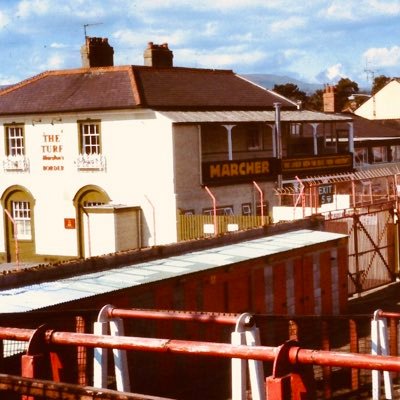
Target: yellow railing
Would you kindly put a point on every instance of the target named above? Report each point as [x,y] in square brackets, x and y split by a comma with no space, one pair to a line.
[197,226]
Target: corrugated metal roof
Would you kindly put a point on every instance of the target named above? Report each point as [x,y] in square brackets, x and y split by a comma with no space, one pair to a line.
[42,295]
[251,116]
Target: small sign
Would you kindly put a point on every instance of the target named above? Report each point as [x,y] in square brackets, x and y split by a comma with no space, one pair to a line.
[69,223]
[325,194]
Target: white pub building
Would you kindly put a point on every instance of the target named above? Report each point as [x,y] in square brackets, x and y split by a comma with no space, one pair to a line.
[104,158]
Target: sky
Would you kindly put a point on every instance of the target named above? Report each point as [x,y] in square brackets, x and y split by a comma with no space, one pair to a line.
[316,41]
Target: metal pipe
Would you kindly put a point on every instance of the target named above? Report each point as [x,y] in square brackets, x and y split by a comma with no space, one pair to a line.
[15,235]
[388,314]
[278,134]
[176,316]
[214,201]
[296,355]
[261,201]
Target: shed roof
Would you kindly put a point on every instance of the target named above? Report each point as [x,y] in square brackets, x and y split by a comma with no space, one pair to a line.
[127,87]
[47,294]
[252,116]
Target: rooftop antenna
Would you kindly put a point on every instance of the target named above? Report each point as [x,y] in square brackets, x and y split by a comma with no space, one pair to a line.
[87,25]
[369,72]
[85,32]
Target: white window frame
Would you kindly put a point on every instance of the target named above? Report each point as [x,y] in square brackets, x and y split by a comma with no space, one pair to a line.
[295,129]
[21,214]
[90,138]
[15,140]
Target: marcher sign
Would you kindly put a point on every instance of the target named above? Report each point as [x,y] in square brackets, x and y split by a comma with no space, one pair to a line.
[227,172]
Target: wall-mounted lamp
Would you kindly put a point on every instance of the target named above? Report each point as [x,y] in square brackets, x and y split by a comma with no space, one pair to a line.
[56,120]
[36,121]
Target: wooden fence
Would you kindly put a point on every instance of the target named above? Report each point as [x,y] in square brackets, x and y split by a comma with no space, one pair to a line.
[200,226]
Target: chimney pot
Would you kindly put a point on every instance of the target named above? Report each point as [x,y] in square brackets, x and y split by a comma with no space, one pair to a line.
[96,52]
[156,55]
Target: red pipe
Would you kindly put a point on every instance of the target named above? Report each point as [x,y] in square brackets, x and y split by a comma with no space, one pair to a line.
[296,354]
[176,316]
[214,201]
[388,314]
[261,201]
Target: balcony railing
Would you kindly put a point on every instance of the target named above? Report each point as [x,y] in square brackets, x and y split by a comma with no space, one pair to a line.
[16,163]
[91,162]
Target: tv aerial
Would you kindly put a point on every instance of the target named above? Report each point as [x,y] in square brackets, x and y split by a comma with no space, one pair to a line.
[85,26]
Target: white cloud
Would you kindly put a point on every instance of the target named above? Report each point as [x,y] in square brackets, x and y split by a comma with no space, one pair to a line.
[332,74]
[354,10]
[391,7]
[4,20]
[27,8]
[291,23]
[226,57]
[223,6]
[54,62]
[383,57]
[132,38]
[58,46]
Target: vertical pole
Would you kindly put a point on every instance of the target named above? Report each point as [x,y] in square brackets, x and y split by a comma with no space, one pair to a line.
[261,201]
[256,370]
[326,370]
[356,252]
[214,201]
[278,134]
[100,372]
[15,235]
[315,138]
[229,131]
[239,371]
[120,358]
[354,348]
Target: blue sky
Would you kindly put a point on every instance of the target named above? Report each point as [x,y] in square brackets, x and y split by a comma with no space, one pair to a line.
[316,41]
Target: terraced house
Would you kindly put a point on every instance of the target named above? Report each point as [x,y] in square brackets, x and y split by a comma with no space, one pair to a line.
[107,158]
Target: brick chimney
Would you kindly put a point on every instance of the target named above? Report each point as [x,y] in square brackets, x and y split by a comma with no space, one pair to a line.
[97,52]
[329,99]
[158,55]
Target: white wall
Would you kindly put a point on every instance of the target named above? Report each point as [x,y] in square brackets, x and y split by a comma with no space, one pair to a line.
[138,150]
[383,105]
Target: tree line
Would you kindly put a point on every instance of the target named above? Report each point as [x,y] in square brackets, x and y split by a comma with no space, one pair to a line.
[343,90]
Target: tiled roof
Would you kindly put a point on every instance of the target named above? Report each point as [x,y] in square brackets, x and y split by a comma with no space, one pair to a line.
[135,86]
[365,128]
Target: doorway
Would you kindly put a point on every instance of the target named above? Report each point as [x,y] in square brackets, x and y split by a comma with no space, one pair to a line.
[18,206]
[88,196]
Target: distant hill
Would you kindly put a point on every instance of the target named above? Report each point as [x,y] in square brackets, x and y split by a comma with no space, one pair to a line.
[269,81]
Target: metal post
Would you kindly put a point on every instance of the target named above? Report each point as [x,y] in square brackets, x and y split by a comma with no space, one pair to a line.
[120,358]
[229,131]
[380,346]
[278,134]
[214,201]
[261,201]
[246,333]
[15,235]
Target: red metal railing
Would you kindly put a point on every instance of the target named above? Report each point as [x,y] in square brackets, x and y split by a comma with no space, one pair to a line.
[290,361]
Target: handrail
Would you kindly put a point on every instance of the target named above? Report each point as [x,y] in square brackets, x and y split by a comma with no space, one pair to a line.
[296,354]
[220,319]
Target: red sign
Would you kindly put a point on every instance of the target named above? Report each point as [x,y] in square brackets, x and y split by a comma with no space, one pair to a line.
[69,223]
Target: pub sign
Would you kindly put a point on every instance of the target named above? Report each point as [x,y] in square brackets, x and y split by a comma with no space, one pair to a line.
[239,171]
